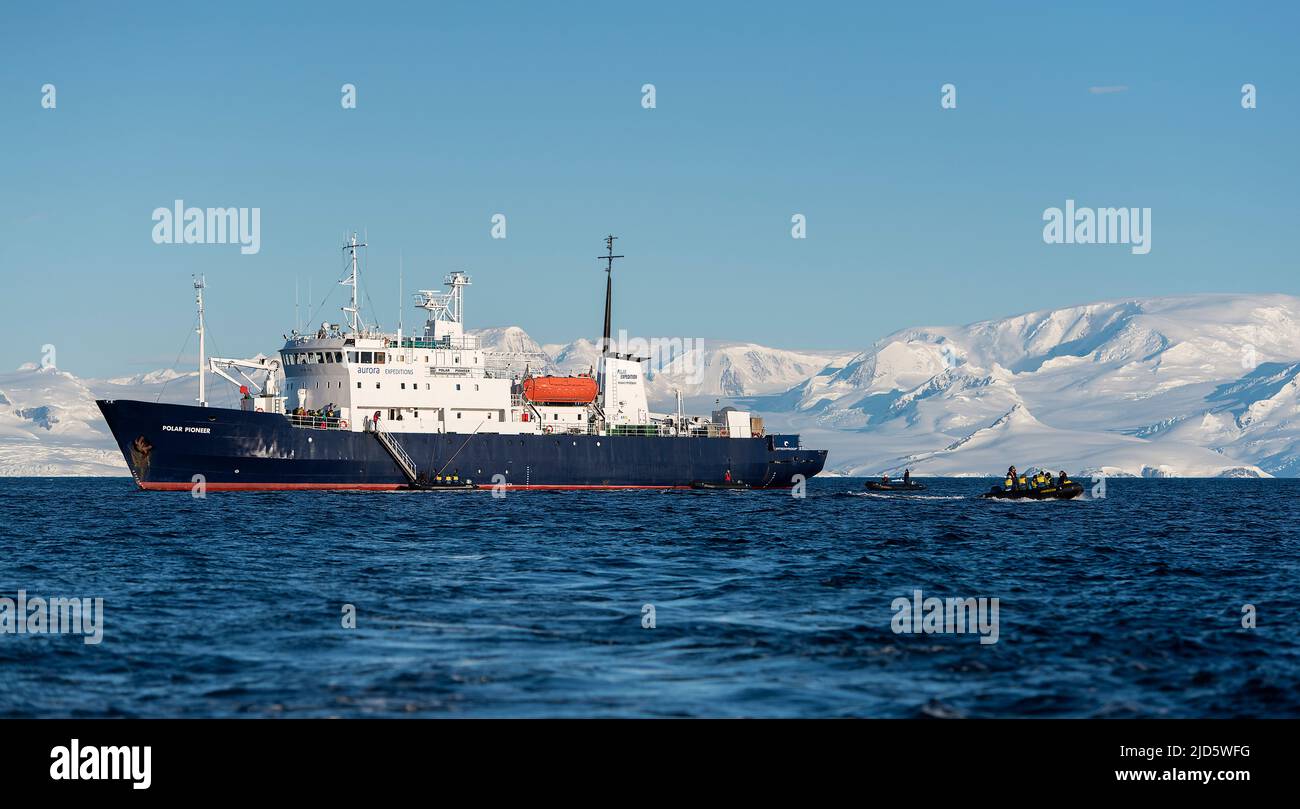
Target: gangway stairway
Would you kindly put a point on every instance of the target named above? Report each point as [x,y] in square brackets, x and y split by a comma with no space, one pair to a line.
[399,455]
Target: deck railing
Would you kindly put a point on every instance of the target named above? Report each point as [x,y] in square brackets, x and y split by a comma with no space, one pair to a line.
[466,342]
[317,422]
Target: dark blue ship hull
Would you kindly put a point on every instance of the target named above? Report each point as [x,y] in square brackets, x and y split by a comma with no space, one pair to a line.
[167,446]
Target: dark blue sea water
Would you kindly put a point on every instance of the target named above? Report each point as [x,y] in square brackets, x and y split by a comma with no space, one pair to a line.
[765,605]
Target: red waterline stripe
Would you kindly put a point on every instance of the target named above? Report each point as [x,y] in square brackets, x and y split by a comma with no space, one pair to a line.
[263,487]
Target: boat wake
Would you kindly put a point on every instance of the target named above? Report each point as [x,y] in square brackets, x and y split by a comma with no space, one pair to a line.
[904,496]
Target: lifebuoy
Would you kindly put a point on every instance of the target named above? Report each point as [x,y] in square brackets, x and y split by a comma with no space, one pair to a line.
[548,429]
[343,424]
[259,410]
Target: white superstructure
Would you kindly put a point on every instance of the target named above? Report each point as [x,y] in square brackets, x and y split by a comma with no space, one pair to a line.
[347,376]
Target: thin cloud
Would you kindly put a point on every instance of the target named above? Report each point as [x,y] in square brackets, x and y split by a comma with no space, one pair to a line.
[1114,88]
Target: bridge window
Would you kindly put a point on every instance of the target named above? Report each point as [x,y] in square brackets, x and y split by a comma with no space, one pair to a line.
[352,356]
[379,358]
[367,357]
[329,357]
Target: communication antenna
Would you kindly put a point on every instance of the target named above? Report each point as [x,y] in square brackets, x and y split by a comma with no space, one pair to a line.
[354,311]
[608,258]
[199,284]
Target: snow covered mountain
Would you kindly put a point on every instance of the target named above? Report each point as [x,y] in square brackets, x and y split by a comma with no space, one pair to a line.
[50,425]
[1195,385]
[1198,385]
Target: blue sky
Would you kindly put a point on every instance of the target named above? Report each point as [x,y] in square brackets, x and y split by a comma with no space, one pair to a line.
[916,215]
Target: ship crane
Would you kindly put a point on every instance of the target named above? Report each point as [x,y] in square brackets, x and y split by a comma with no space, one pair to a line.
[221,366]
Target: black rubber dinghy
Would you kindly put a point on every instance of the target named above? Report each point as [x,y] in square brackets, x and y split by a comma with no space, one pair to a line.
[1069,491]
[424,484]
[877,486]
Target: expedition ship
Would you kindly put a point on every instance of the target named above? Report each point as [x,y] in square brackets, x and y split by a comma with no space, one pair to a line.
[350,407]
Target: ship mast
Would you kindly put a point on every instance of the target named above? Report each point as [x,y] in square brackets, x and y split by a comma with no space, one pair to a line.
[354,311]
[608,258]
[198,298]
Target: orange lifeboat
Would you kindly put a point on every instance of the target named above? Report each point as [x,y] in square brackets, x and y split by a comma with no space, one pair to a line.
[560,389]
